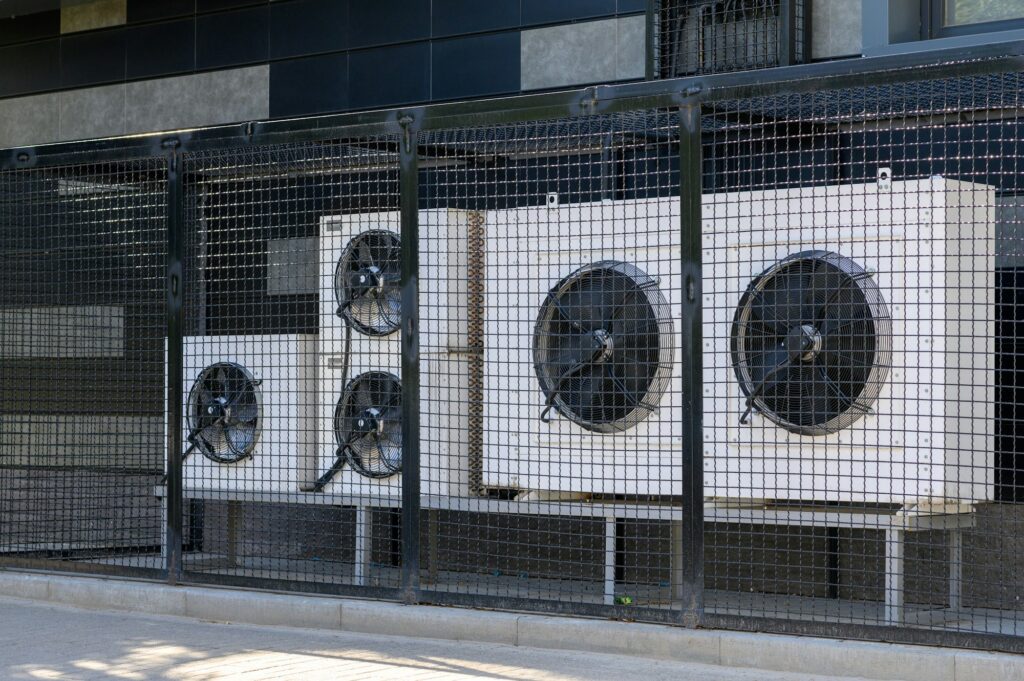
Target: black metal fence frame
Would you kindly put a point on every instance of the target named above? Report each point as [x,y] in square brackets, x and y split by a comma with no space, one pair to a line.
[684,95]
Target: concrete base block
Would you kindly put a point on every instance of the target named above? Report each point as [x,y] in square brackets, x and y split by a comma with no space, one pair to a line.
[24,585]
[370,617]
[620,638]
[248,607]
[807,655]
[110,594]
[978,666]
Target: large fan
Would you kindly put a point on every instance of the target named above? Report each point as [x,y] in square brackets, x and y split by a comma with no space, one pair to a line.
[224,413]
[811,343]
[368,427]
[367,283]
[603,347]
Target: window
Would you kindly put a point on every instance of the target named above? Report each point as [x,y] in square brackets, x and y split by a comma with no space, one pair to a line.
[960,17]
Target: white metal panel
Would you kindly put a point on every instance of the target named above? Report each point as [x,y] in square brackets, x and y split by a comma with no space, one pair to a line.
[529,250]
[442,338]
[923,439]
[285,365]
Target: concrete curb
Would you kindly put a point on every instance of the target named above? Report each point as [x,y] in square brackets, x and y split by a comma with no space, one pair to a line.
[731,649]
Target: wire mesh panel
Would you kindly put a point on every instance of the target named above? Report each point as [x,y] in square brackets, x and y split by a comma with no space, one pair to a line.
[82,320]
[549,347]
[714,36]
[292,381]
[860,250]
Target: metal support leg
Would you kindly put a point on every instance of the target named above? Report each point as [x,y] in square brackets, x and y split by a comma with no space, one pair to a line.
[956,568]
[364,537]
[234,511]
[677,575]
[163,528]
[609,560]
[433,530]
[894,576]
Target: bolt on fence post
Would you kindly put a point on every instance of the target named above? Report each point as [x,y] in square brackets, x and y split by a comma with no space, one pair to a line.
[174,366]
[409,203]
[691,572]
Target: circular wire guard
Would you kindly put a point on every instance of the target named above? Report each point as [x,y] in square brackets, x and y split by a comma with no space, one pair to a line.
[224,415]
[811,343]
[368,424]
[367,280]
[603,346]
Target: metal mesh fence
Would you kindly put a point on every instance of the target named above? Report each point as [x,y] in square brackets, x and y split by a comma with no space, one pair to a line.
[859,319]
[550,434]
[470,363]
[82,255]
[292,385]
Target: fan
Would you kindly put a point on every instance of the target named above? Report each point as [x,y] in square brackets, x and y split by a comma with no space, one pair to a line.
[368,427]
[366,283]
[224,413]
[811,343]
[603,347]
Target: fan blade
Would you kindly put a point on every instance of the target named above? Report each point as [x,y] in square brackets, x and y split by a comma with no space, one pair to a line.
[364,254]
[241,438]
[565,314]
[781,301]
[247,412]
[816,396]
[760,365]
[820,284]
[391,396]
[583,308]
[853,324]
[571,357]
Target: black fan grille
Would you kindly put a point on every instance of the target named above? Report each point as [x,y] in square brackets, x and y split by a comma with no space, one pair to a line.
[811,343]
[603,346]
[367,282]
[368,424]
[224,415]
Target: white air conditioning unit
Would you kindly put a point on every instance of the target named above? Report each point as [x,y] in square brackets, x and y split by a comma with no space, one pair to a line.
[249,412]
[848,343]
[581,383]
[360,355]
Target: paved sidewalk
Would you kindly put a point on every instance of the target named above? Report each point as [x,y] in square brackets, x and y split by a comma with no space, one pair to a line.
[39,641]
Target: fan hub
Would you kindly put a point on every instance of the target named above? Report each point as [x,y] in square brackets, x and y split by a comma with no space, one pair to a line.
[368,279]
[604,346]
[803,342]
[369,422]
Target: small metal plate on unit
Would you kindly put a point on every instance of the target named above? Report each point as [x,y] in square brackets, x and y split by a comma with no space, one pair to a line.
[552,200]
[885,178]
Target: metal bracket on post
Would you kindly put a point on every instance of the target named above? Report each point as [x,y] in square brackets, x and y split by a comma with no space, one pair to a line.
[690,572]
[175,352]
[409,202]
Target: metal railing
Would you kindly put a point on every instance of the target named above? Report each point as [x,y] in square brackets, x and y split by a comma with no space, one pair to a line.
[729,352]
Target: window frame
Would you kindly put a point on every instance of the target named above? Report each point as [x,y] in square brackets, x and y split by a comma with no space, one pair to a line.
[933,26]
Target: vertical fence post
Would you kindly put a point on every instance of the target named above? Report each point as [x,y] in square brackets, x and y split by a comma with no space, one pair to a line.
[787,32]
[409,202]
[174,367]
[651,38]
[691,572]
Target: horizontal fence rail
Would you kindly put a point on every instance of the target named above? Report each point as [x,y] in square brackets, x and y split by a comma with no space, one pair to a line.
[725,352]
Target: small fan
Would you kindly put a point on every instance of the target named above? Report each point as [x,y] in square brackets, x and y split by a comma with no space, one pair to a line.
[368,427]
[224,413]
[603,347]
[367,282]
[811,343]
